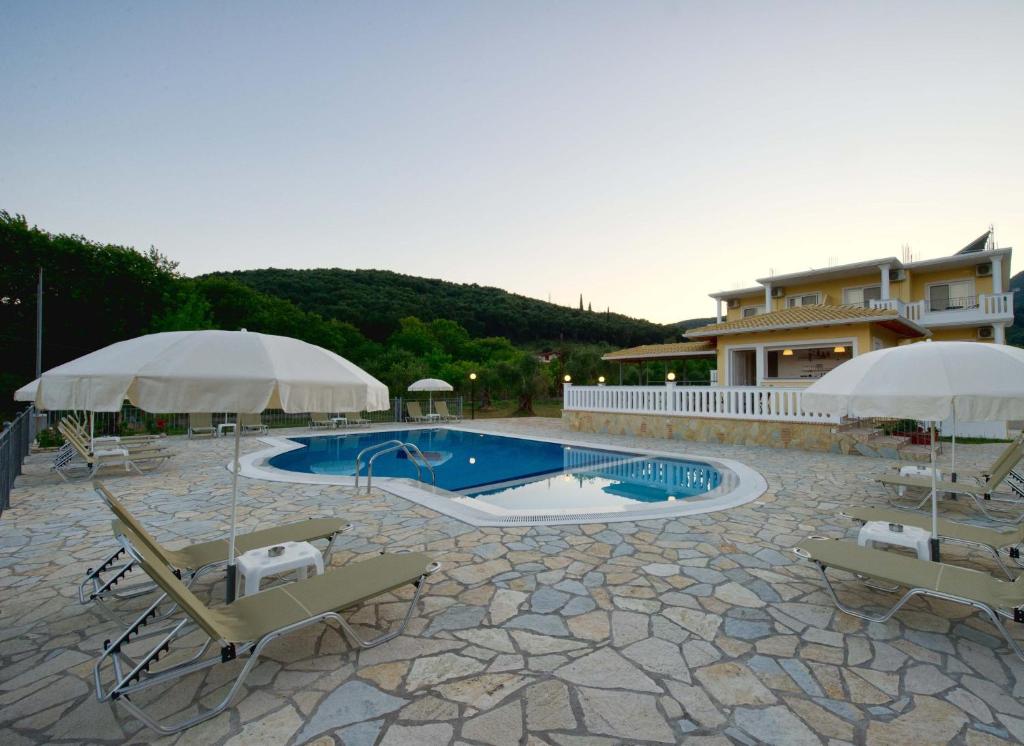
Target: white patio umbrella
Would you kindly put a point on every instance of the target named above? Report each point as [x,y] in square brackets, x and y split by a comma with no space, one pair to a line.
[430,385]
[212,371]
[926,381]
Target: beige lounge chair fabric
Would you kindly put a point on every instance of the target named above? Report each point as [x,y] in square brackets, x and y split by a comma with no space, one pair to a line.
[201,423]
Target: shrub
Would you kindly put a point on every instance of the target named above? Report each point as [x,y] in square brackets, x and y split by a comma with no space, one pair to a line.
[49,438]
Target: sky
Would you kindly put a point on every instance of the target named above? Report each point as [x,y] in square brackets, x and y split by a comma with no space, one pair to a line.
[643,154]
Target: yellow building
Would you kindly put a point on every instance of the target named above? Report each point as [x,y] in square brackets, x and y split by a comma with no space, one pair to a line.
[791,329]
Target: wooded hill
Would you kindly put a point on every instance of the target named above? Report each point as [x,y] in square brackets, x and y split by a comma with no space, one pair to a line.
[375,300]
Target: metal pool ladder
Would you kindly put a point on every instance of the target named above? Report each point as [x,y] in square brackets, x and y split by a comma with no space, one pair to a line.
[412,451]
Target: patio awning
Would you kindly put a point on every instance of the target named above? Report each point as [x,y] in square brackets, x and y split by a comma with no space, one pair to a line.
[670,351]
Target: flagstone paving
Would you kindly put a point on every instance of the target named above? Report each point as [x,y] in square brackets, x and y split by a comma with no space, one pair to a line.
[700,628]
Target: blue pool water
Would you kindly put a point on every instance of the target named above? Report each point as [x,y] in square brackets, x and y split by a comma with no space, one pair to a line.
[511,472]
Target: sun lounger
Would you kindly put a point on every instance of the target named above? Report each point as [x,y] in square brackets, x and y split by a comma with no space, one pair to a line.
[241,629]
[320,421]
[980,491]
[201,423]
[354,419]
[1011,454]
[131,442]
[252,423]
[441,407]
[994,540]
[415,413]
[194,560]
[111,455]
[979,590]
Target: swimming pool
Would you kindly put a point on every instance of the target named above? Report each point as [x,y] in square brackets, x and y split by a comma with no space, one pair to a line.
[508,471]
[486,478]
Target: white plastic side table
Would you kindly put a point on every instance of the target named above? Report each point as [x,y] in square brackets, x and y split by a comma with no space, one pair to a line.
[917,471]
[224,427]
[912,537]
[257,564]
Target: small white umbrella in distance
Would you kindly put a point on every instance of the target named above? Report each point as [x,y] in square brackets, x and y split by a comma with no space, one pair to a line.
[212,371]
[926,381]
[430,385]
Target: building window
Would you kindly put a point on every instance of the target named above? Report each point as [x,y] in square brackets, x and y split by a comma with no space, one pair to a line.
[752,311]
[806,362]
[862,296]
[808,299]
[952,296]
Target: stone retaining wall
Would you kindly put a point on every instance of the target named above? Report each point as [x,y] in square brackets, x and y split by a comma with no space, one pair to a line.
[803,436]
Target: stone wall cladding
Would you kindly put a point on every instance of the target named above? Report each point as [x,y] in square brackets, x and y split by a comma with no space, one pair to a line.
[802,436]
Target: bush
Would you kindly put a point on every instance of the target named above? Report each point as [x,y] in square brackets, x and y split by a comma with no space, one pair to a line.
[49,438]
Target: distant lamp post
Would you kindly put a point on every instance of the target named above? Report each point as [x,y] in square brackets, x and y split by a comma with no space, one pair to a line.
[600,380]
[671,376]
[472,396]
[567,378]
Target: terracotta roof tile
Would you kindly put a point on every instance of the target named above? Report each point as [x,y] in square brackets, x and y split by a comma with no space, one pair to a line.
[661,351]
[801,316]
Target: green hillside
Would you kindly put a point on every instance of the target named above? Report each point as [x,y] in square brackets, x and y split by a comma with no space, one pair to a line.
[1015,334]
[375,300]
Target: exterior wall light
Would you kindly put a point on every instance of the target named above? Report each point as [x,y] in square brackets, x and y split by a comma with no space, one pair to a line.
[787,352]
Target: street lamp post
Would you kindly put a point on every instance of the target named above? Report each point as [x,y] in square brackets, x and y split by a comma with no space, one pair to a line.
[472,396]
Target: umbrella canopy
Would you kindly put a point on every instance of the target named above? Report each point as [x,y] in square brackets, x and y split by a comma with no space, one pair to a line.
[431,384]
[209,371]
[27,392]
[926,381]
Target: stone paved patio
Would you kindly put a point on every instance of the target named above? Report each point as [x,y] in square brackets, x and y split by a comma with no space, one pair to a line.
[699,629]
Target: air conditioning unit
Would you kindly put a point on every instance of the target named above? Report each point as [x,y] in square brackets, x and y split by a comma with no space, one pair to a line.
[984,270]
[986,332]
[897,275]
[734,303]
[778,292]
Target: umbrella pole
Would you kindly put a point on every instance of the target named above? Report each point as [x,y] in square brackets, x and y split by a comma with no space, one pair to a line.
[953,468]
[935,504]
[430,402]
[232,570]
[92,432]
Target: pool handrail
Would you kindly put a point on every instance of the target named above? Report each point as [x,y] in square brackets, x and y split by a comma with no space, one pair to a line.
[382,444]
[390,446]
[402,447]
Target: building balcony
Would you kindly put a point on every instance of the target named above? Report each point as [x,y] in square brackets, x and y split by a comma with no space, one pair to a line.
[987,308]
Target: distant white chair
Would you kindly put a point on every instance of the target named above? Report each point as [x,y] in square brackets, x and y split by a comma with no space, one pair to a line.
[320,421]
[355,419]
[441,407]
[252,423]
[200,424]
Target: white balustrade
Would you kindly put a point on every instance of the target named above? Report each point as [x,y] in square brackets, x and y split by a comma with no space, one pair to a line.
[726,402]
[990,307]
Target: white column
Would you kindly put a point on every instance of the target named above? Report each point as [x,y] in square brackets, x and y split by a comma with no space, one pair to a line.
[997,274]
[885,281]
[759,364]
[768,297]
[1000,333]
[718,310]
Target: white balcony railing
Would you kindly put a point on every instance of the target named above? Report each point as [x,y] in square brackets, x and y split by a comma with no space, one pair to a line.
[724,402]
[987,307]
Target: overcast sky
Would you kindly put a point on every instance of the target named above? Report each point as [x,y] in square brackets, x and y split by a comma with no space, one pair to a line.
[643,154]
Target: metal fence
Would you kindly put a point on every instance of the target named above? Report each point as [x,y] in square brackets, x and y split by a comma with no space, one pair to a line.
[15,440]
[132,420]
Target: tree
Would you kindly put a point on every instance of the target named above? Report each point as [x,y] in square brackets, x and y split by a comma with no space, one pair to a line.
[581,301]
